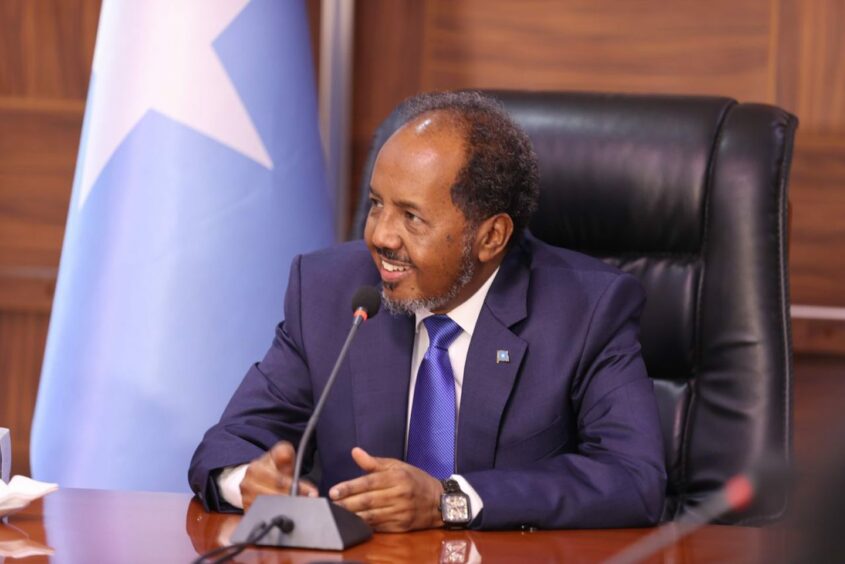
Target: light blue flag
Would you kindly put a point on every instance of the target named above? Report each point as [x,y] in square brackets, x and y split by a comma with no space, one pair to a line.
[199,178]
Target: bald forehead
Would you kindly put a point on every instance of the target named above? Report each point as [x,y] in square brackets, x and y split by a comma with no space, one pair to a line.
[427,151]
[435,123]
[428,133]
[438,122]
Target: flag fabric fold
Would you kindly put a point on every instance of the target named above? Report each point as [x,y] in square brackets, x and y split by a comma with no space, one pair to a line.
[200,176]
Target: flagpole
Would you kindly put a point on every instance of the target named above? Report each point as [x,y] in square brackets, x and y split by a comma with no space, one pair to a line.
[337,18]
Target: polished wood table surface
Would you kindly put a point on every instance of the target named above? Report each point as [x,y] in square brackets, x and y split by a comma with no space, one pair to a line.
[75,525]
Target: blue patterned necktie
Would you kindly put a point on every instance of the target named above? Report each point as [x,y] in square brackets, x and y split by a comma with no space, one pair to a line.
[431,434]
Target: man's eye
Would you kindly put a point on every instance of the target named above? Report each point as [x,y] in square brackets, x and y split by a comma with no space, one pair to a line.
[375,203]
[412,217]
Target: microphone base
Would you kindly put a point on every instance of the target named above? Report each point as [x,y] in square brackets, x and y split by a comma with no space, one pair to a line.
[318,523]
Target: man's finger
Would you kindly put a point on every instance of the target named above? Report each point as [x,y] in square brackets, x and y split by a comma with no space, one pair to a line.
[252,491]
[283,455]
[368,501]
[260,473]
[264,489]
[308,489]
[263,470]
[369,482]
[377,517]
[283,483]
[369,463]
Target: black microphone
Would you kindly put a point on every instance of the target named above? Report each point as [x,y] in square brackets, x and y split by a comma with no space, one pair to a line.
[365,304]
[312,522]
[366,300]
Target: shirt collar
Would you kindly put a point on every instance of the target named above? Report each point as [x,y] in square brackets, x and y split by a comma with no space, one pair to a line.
[466,314]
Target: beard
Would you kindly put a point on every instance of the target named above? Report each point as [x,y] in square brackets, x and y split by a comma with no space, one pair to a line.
[413,305]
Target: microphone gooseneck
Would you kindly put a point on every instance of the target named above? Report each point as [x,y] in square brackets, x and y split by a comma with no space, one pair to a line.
[769,475]
[365,304]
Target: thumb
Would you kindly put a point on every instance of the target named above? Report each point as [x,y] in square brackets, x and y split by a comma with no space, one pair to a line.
[282,454]
[366,462]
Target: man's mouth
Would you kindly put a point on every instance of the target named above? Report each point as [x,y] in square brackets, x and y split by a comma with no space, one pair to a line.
[392,272]
[390,267]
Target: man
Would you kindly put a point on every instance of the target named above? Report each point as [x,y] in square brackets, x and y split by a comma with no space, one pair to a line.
[507,366]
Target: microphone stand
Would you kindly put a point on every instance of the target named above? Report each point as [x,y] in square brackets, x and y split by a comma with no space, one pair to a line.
[312,421]
[316,523]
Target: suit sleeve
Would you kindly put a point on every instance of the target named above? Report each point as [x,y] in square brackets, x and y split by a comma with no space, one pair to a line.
[615,477]
[272,403]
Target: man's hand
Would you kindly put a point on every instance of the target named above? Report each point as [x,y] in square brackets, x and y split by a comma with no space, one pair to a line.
[272,473]
[393,496]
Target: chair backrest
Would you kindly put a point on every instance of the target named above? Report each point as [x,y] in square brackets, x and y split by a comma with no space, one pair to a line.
[689,194]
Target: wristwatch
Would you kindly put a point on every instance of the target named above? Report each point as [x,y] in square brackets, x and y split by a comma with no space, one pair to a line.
[454,506]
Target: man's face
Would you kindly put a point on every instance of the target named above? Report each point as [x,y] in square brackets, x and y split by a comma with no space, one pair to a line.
[420,241]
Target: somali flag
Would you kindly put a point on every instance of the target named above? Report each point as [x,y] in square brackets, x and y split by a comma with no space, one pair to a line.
[199,178]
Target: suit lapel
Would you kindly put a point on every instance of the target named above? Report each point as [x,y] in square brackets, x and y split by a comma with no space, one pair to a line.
[380,360]
[489,375]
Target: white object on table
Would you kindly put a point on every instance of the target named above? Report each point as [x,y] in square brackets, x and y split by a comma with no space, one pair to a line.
[20,491]
[5,454]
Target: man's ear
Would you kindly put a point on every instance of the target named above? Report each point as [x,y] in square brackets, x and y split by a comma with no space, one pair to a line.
[493,236]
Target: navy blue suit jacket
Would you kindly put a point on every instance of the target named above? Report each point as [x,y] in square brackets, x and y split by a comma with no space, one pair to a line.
[564,435]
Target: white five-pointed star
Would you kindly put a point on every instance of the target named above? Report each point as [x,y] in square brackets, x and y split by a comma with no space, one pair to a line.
[157,55]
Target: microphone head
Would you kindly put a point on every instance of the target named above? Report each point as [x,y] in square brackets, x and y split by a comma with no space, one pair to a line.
[765,482]
[771,477]
[368,299]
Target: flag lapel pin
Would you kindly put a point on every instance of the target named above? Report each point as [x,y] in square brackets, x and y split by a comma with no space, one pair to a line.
[502,356]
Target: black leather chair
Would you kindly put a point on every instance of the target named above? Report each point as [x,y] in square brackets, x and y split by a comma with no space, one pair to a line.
[690,195]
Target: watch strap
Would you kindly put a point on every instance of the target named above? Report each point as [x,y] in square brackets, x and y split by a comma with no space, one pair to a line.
[451,488]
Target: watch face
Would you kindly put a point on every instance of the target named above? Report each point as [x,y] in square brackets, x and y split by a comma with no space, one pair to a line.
[455,508]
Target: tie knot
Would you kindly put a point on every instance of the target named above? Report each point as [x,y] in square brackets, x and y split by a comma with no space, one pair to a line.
[441,331]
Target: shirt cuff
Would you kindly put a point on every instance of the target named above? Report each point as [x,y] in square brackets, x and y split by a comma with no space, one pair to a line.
[229,484]
[475,503]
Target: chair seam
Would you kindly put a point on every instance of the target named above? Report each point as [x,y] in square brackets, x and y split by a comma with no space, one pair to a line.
[702,273]
[782,283]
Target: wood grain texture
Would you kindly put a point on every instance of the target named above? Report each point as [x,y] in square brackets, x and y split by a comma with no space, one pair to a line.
[46,47]
[22,339]
[811,63]
[388,51]
[818,391]
[27,289]
[818,336]
[817,194]
[37,159]
[718,47]
[117,526]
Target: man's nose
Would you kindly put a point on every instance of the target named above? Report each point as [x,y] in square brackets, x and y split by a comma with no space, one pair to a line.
[385,233]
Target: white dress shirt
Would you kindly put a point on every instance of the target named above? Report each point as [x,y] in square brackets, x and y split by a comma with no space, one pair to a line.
[466,316]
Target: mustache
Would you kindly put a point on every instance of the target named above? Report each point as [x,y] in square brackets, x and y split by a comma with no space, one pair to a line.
[389,254]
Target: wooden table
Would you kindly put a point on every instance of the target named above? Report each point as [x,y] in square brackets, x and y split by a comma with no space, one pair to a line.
[114,527]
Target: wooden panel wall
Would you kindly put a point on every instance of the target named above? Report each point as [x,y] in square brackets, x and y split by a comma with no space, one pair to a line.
[789,53]
[607,45]
[810,81]
[46,48]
